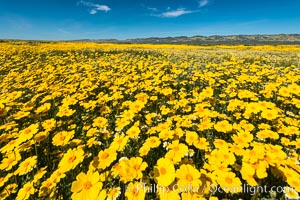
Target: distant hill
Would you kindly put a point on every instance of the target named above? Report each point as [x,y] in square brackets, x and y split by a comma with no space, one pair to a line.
[213,40]
[229,40]
[204,40]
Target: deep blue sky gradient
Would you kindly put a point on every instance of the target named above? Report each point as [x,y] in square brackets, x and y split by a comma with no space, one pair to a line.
[121,19]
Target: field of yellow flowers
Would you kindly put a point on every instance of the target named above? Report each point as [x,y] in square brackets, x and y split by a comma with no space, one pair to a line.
[120,121]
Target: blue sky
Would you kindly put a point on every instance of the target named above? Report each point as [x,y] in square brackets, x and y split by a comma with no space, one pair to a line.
[122,19]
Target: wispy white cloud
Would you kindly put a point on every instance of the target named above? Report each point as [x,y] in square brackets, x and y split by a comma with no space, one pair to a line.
[203,3]
[152,9]
[94,7]
[99,8]
[173,13]
[93,11]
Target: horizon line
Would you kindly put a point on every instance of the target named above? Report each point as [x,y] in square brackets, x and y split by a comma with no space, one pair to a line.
[156,37]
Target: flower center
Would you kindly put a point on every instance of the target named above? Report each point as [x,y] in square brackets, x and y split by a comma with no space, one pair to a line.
[228,180]
[71,159]
[135,192]
[189,177]
[26,164]
[27,131]
[104,155]
[136,167]
[10,161]
[87,185]
[162,171]
[28,188]
[295,183]
[176,148]
[252,153]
